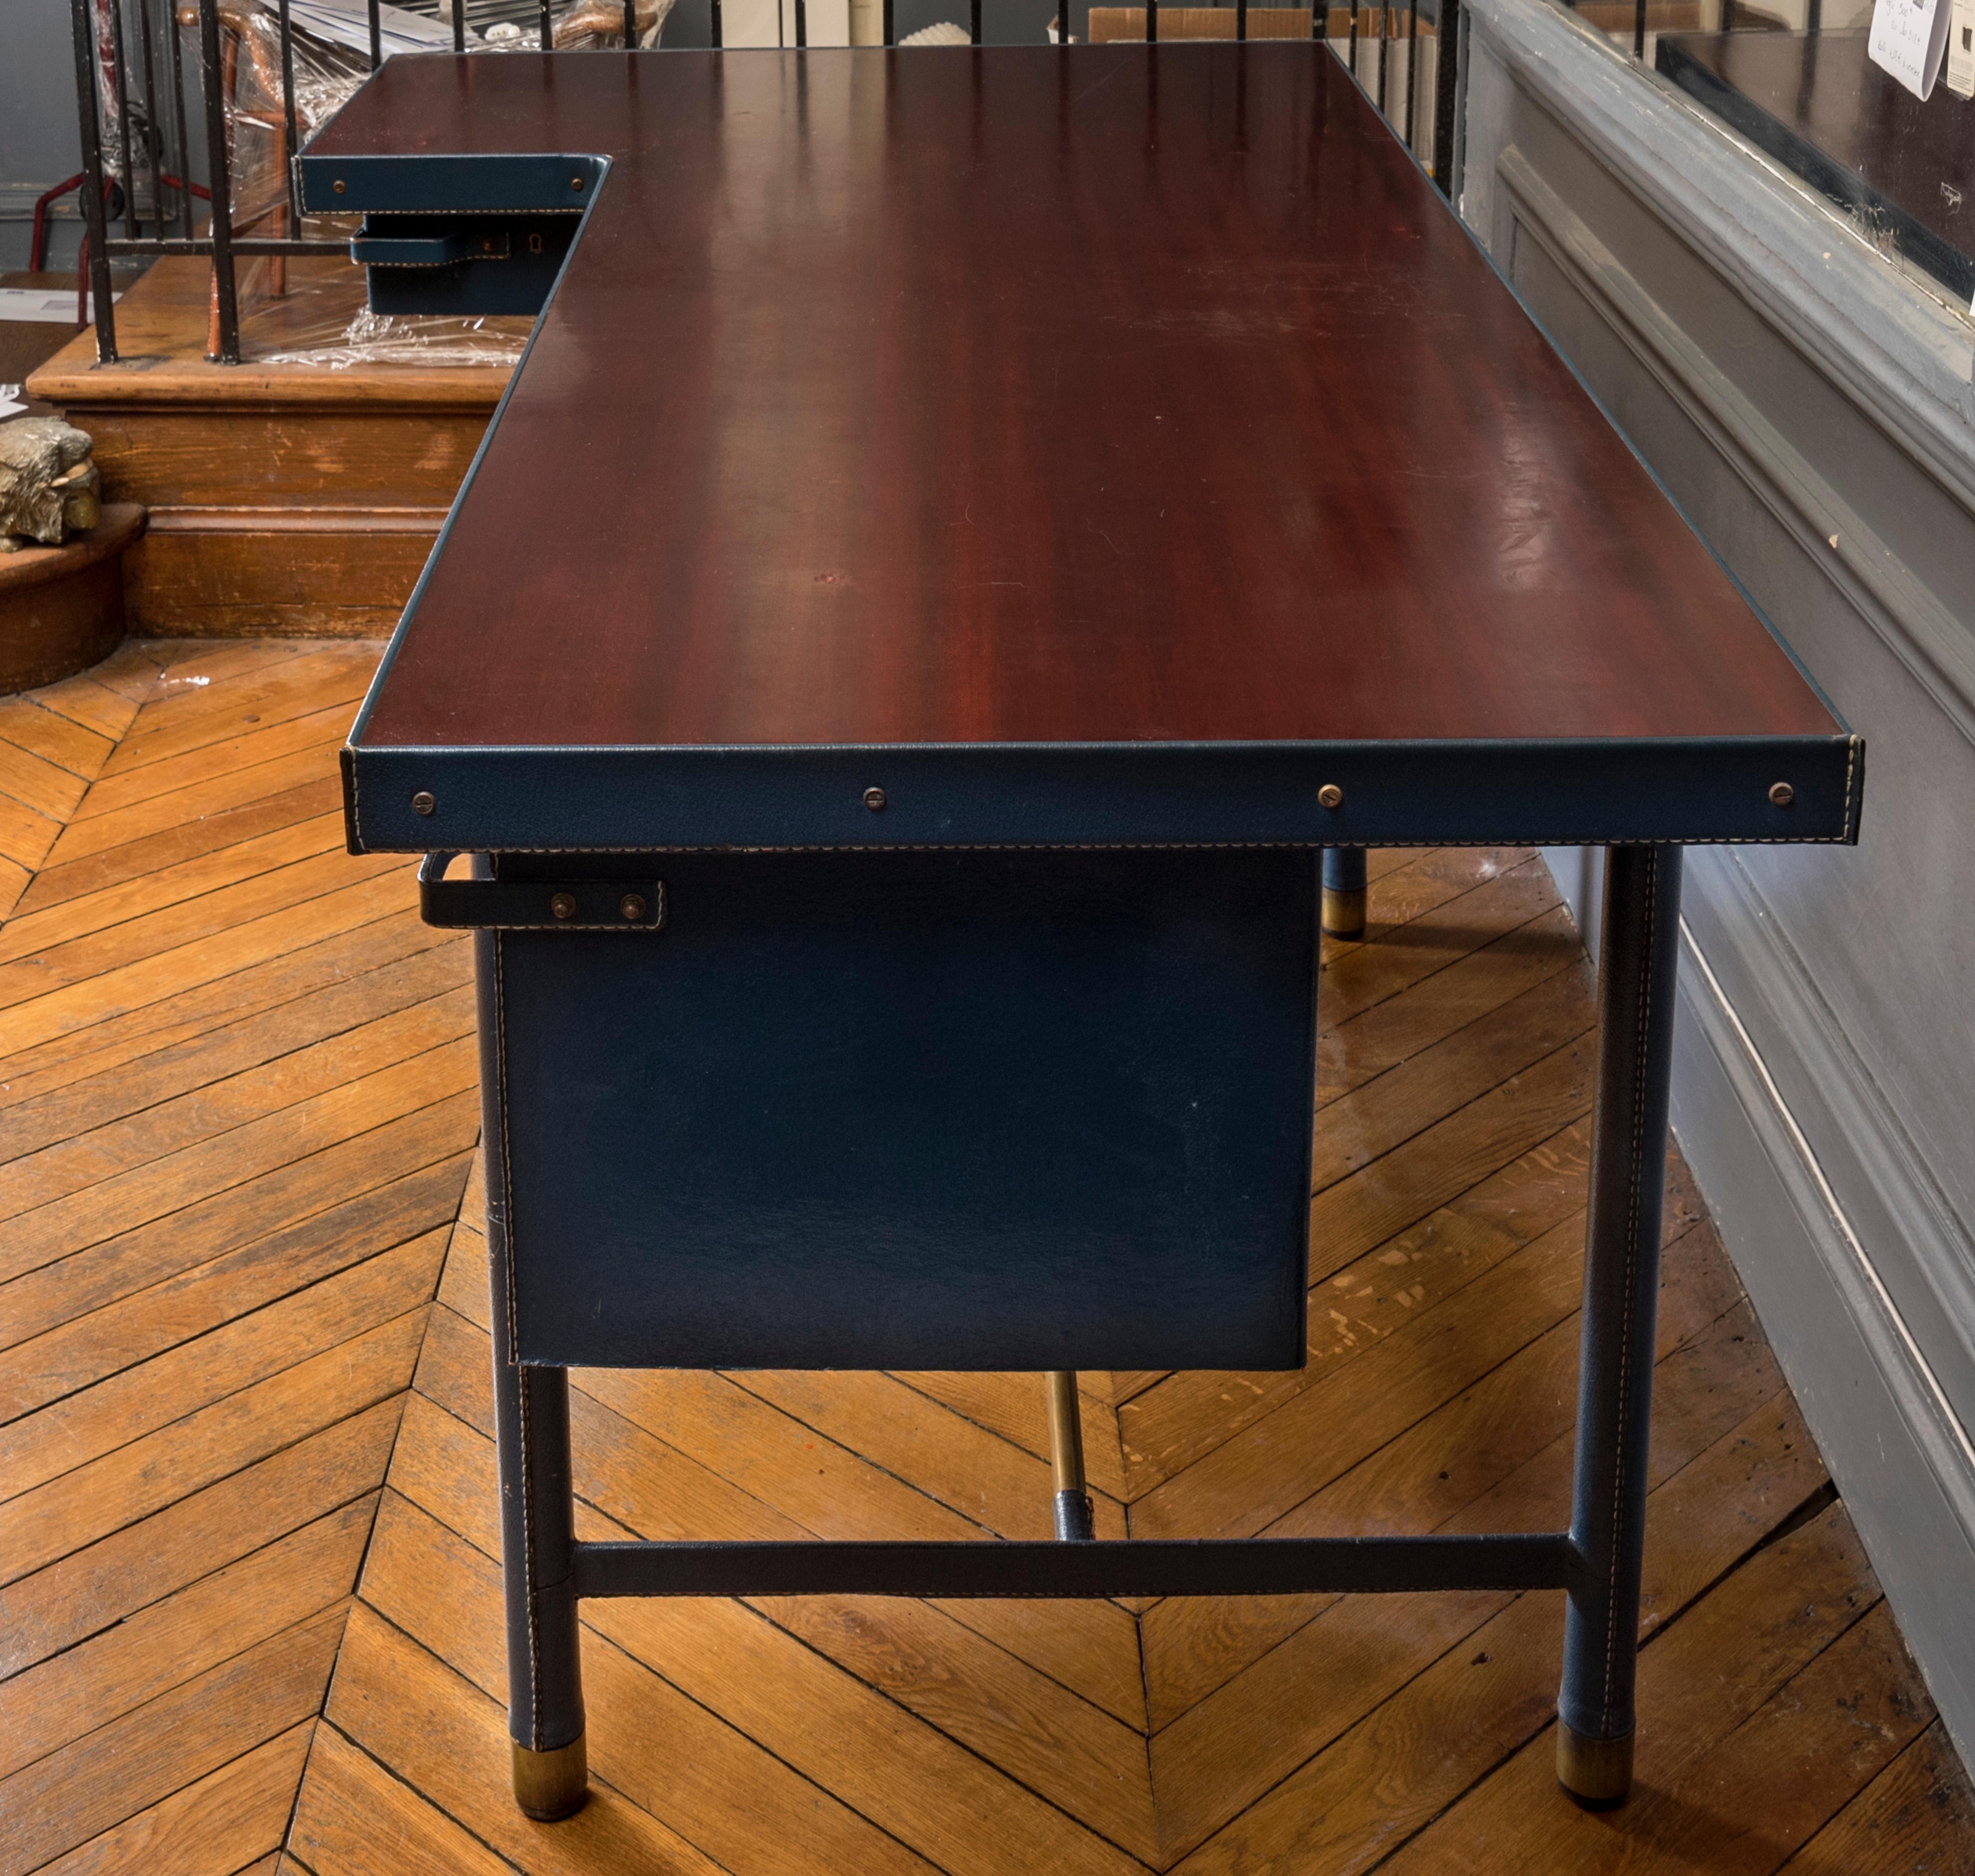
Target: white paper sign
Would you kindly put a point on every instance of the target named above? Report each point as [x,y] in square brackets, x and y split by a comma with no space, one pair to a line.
[1908,37]
[41,305]
[1961,49]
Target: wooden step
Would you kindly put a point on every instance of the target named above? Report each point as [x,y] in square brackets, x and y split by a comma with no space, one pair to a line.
[285,498]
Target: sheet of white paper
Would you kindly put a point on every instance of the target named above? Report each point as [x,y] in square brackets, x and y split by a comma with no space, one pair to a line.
[41,305]
[10,406]
[1908,37]
[1961,48]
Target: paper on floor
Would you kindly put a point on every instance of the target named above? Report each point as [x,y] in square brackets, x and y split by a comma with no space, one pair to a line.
[47,306]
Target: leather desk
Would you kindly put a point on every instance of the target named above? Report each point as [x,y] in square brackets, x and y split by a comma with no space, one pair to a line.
[970,526]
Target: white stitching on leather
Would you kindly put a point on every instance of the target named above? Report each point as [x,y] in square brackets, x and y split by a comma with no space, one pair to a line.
[1199,846]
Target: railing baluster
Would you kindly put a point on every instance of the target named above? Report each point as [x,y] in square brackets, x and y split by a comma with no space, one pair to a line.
[1447,49]
[973,21]
[713,22]
[630,25]
[96,235]
[891,25]
[459,25]
[211,83]
[1242,19]
[128,177]
[547,31]
[178,124]
[377,36]
[288,118]
[153,153]
[1412,73]
[1151,22]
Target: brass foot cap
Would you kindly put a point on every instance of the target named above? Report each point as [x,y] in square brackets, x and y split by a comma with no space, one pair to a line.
[1595,1773]
[1344,914]
[552,1784]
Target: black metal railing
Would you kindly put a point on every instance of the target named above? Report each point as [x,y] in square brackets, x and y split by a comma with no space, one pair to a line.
[136,128]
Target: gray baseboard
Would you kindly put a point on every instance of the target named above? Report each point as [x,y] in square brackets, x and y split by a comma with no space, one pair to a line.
[1797,1223]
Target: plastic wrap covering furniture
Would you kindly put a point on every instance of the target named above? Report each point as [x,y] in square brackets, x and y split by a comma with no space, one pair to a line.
[326,76]
[323,321]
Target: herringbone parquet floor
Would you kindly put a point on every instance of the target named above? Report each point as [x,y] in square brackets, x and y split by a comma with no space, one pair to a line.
[249,1597]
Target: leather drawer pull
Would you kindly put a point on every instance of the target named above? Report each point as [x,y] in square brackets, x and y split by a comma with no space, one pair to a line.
[537,904]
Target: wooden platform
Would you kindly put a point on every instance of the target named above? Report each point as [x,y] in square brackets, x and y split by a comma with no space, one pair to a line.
[249,1614]
[284,497]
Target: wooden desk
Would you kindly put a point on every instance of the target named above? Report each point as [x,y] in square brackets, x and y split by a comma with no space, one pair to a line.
[970,525]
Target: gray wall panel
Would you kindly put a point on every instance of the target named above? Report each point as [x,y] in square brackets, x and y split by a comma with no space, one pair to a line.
[1827,1077]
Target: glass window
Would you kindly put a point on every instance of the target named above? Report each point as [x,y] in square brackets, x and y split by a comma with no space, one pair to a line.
[1870,102]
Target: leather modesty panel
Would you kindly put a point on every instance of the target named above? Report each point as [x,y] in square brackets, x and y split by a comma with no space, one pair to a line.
[1011,1111]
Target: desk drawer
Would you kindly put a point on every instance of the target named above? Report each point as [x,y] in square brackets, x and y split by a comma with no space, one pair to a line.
[962,1110]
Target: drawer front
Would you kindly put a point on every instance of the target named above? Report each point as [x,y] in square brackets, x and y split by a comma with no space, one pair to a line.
[985,1110]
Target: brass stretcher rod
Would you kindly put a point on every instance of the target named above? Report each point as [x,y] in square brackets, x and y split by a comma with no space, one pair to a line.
[1074,1520]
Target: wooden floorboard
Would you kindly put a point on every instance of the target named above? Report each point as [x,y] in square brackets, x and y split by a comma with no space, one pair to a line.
[249,1592]
[237,1120]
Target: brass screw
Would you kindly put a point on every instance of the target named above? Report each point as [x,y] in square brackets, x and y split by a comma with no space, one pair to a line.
[576,181]
[1330,795]
[564,905]
[1782,794]
[874,798]
[422,804]
[632,906]
[337,187]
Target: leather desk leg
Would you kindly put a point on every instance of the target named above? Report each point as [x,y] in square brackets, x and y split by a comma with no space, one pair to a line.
[1635,995]
[1345,896]
[537,1509]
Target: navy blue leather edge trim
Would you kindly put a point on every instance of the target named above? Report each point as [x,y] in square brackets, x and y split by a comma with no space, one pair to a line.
[1563,794]
[476,185]
[1136,1567]
[347,762]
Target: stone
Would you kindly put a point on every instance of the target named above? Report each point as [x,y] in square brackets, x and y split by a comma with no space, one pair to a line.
[49,487]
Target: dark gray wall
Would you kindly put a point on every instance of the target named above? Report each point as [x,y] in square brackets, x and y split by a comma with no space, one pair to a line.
[1810,407]
[39,146]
